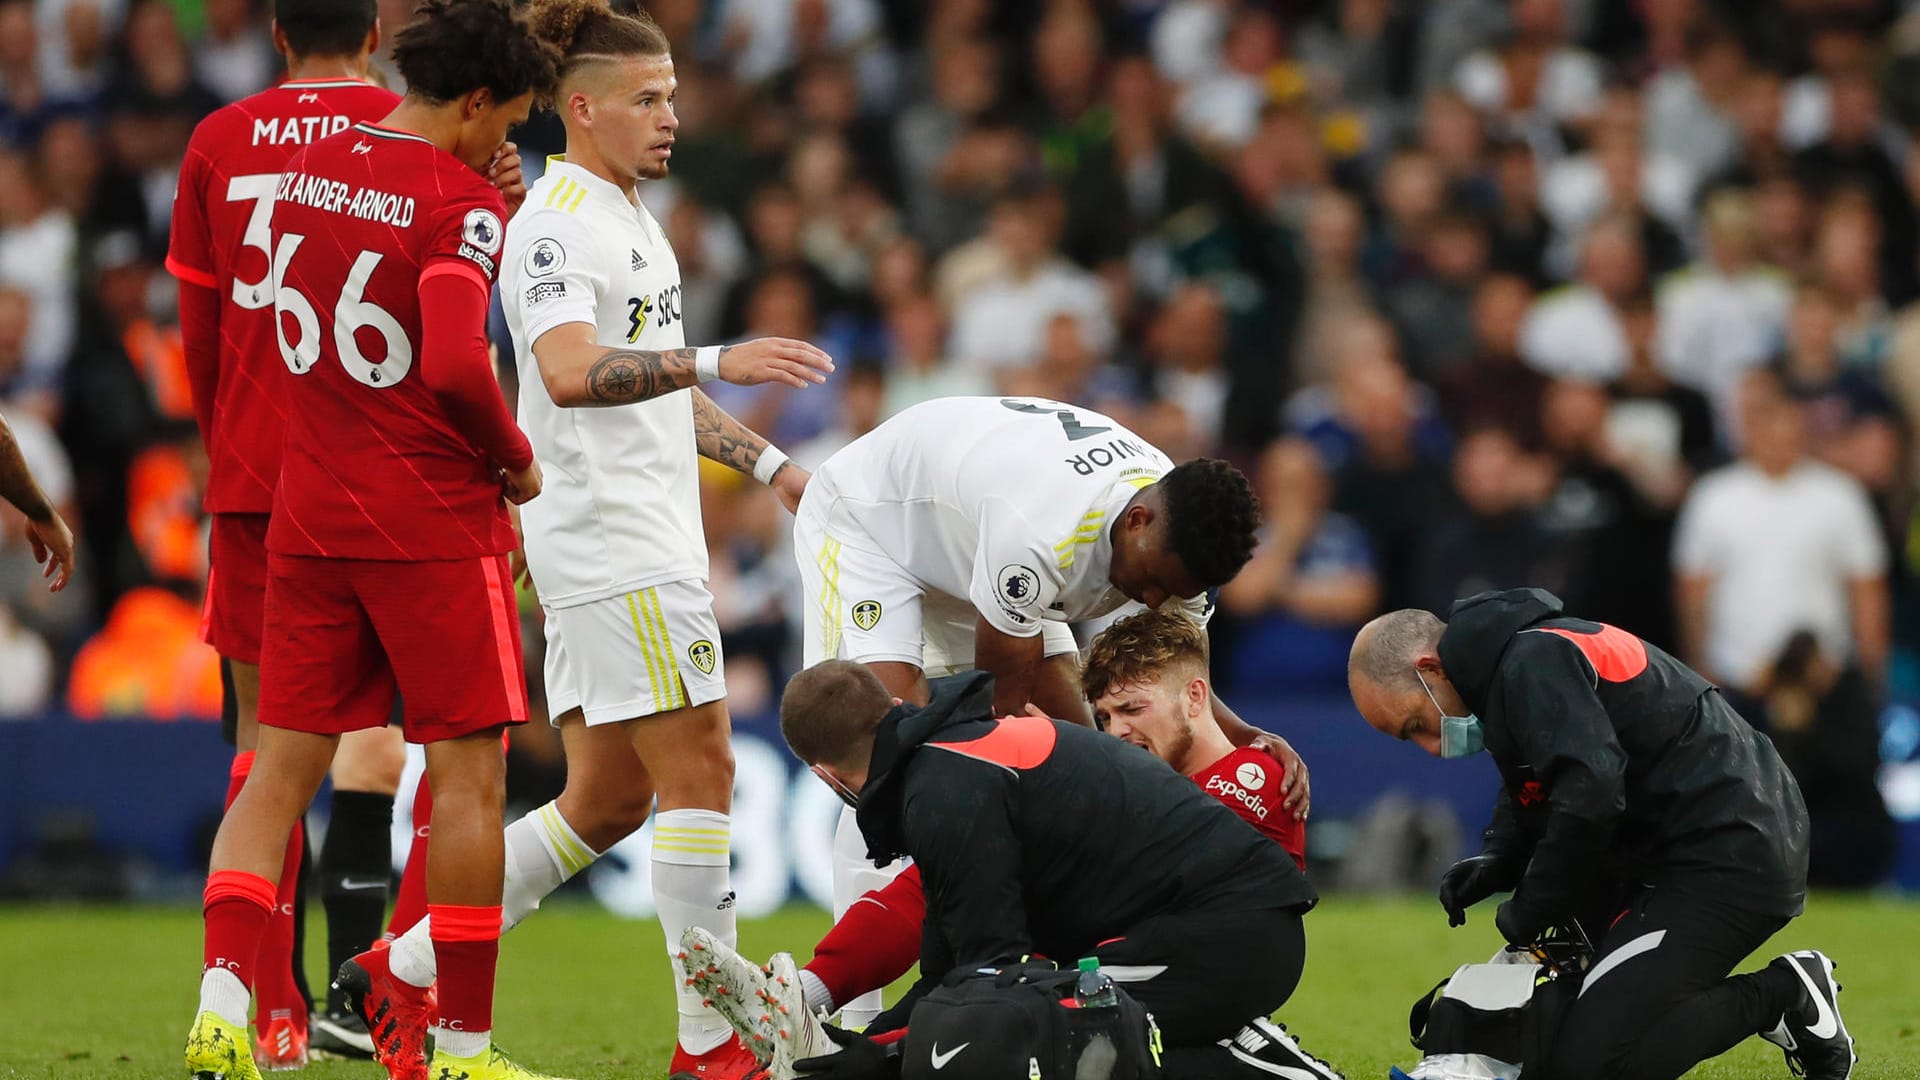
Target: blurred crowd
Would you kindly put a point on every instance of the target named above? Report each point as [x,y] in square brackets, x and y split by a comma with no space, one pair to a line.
[1616,297]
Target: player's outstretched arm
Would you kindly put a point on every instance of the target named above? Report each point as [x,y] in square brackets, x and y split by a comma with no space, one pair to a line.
[579,372]
[720,437]
[52,541]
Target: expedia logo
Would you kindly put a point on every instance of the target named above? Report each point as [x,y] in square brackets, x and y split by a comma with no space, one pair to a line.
[702,654]
[866,614]
[1226,788]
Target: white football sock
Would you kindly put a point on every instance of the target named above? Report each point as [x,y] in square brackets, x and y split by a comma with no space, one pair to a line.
[543,851]
[692,886]
[461,1044]
[854,876]
[224,995]
[815,994]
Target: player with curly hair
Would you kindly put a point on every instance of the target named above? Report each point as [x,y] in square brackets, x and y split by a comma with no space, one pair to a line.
[385,240]
[971,532]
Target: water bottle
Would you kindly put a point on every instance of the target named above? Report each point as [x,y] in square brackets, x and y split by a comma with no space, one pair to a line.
[1093,989]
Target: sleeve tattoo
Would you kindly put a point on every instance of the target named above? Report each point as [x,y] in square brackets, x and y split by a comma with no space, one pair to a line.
[624,376]
[722,438]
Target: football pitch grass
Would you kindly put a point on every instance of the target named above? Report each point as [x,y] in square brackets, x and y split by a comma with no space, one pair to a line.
[109,992]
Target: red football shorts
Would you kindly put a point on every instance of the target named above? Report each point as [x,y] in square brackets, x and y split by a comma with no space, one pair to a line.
[236,586]
[342,635]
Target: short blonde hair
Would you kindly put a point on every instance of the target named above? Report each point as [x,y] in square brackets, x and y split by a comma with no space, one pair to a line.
[1138,648]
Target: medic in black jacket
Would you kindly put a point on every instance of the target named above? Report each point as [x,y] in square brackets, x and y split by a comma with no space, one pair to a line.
[1634,802]
[1040,837]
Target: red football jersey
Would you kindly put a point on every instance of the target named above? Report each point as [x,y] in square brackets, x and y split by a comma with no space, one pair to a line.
[219,241]
[374,467]
[1248,781]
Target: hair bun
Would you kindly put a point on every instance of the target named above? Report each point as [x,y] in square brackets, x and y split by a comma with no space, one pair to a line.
[558,22]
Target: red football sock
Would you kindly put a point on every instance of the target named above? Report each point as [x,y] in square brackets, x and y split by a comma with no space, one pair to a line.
[466,946]
[235,905]
[237,775]
[410,904]
[275,990]
[875,942]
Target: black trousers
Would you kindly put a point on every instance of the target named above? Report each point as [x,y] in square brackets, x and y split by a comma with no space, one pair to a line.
[1204,976]
[1658,999]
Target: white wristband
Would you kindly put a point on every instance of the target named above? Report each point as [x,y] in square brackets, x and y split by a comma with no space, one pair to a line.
[706,363]
[770,461]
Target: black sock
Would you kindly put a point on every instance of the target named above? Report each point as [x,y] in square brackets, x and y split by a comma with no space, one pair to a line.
[356,870]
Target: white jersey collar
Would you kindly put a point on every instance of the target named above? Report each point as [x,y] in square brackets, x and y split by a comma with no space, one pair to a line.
[598,189]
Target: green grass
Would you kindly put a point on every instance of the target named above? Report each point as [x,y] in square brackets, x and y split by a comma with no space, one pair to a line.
[109,992]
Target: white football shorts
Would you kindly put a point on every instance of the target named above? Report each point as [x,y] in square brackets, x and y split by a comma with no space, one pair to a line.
[650,651]
[858,604]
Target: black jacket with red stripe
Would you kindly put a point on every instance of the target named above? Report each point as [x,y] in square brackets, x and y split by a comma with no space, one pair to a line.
[1037,836]
[1621,766]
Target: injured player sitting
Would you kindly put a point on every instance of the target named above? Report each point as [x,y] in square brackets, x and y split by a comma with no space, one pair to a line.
[1146,678]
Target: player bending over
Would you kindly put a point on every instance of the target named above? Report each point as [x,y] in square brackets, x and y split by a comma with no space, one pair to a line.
[385,240]
[634,672]
[1146,678]
[969,532]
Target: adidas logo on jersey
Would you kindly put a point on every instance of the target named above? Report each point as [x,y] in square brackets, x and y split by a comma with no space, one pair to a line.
[638,262]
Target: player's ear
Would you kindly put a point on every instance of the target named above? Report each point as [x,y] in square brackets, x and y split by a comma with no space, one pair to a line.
[372,43]
[478,101]
[280,43]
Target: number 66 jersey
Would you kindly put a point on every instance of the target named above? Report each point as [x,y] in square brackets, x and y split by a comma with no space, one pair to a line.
[381,459]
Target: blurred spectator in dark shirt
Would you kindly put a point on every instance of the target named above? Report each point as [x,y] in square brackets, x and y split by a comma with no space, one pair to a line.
[1495,388]
[1521,231]
[1434,312]
[1663,432]
[1312,581]
[1847,249]
[1851,422]
[1612,516]
[1851,156]
[1824,718]
[1492,537]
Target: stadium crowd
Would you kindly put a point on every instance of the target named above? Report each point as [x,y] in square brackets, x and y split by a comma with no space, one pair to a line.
[1614,299]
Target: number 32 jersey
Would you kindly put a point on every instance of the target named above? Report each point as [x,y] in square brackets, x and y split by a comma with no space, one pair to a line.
[219,241]
[621,507]
[374,466]
[1008,502]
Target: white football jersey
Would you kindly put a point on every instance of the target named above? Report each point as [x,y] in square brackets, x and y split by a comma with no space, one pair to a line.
[1007,502]
[620,507]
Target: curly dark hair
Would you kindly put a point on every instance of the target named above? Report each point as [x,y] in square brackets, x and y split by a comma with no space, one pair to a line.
[454,47]
[325,27]
[1211,517]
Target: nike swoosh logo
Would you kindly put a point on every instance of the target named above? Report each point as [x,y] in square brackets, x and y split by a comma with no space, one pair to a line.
[349,883]
[940,1060]
[1826,1025]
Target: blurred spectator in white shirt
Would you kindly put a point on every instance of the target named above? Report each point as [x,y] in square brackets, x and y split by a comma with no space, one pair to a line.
[1003,322]
[1221,107]
[1619,174]
[1774,544]
[917,367]
[1574,331]
[1535,79]
[37,252]
[234,56]
[1726,313]
[1689,109]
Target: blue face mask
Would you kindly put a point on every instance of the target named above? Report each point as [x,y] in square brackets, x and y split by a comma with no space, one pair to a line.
[1460,736]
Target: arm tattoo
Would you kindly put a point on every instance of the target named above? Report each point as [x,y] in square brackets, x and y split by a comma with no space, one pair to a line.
[16,483]
[625,376]
[726,440]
